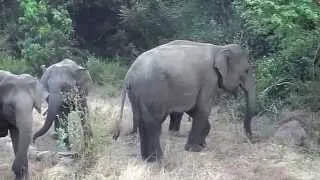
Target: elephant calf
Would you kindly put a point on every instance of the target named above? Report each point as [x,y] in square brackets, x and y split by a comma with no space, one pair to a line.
[68,84]
[184,76]
[19,94]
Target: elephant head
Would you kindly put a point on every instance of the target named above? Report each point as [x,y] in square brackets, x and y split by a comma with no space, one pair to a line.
[231,62]
[61,79]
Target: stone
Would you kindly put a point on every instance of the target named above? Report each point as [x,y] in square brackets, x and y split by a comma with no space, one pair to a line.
[291,133]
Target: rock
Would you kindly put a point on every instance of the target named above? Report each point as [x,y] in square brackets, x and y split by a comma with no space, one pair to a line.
[291,133]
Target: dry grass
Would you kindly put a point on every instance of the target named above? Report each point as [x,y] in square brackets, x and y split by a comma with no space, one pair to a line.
[228,156]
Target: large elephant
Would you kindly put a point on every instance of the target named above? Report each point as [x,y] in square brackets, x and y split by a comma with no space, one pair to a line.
[68,84]
[184,76]
[19,94]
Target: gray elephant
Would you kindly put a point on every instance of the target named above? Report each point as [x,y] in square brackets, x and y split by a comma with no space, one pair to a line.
[68,84]
[19,95]
[184,76]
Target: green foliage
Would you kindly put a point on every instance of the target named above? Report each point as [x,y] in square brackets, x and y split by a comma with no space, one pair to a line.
[106,71]
[155,22]
[291,31]
[147,22]
[202,21]
[45,33]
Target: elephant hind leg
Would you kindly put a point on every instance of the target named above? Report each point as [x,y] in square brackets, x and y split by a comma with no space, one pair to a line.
[150,141]
[149,132]
[135,112]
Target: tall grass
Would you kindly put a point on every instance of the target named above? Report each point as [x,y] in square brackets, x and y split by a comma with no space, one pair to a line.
[12,64]
[107,73]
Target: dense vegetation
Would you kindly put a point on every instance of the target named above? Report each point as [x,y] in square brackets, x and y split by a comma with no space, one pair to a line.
[283,37]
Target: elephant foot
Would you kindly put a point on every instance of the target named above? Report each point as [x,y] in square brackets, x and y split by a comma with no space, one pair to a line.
[22,173]
[21,178]
[194,147]
[24,177]
[153,158]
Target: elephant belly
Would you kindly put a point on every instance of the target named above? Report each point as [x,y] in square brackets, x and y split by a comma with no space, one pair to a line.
[4,126]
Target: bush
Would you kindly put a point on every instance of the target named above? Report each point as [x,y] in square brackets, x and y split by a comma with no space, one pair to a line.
[45,33]
[109,72]
[285,58]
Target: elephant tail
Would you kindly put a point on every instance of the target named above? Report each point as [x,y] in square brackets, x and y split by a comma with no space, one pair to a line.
[116,131]
[53,106]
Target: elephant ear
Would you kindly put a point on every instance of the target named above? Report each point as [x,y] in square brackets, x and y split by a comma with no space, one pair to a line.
[221,64]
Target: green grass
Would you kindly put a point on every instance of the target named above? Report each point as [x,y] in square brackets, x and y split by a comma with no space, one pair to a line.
[108,73]
[12,64]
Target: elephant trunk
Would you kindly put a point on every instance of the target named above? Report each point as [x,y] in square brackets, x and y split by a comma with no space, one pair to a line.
[249,87]
[54,103]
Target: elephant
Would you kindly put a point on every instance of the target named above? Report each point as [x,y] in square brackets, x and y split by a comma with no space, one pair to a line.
[19,95]
[184,76]
[68,85]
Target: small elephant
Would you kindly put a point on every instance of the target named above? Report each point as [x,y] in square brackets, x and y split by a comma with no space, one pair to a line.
[19,94]
[184,76]
[68,85]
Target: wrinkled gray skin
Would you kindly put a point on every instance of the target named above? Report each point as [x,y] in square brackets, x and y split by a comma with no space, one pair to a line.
[19,94]
[62,80]
[184,76]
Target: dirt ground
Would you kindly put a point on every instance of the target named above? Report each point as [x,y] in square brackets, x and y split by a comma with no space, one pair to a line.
[228,155]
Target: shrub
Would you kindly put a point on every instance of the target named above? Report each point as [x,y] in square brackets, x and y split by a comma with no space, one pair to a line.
[107,72]
[44,33]
[291,33]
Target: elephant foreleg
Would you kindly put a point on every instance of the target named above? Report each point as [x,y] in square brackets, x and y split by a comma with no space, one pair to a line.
[175,121]
[21,139]
[150,141]
[199,131]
